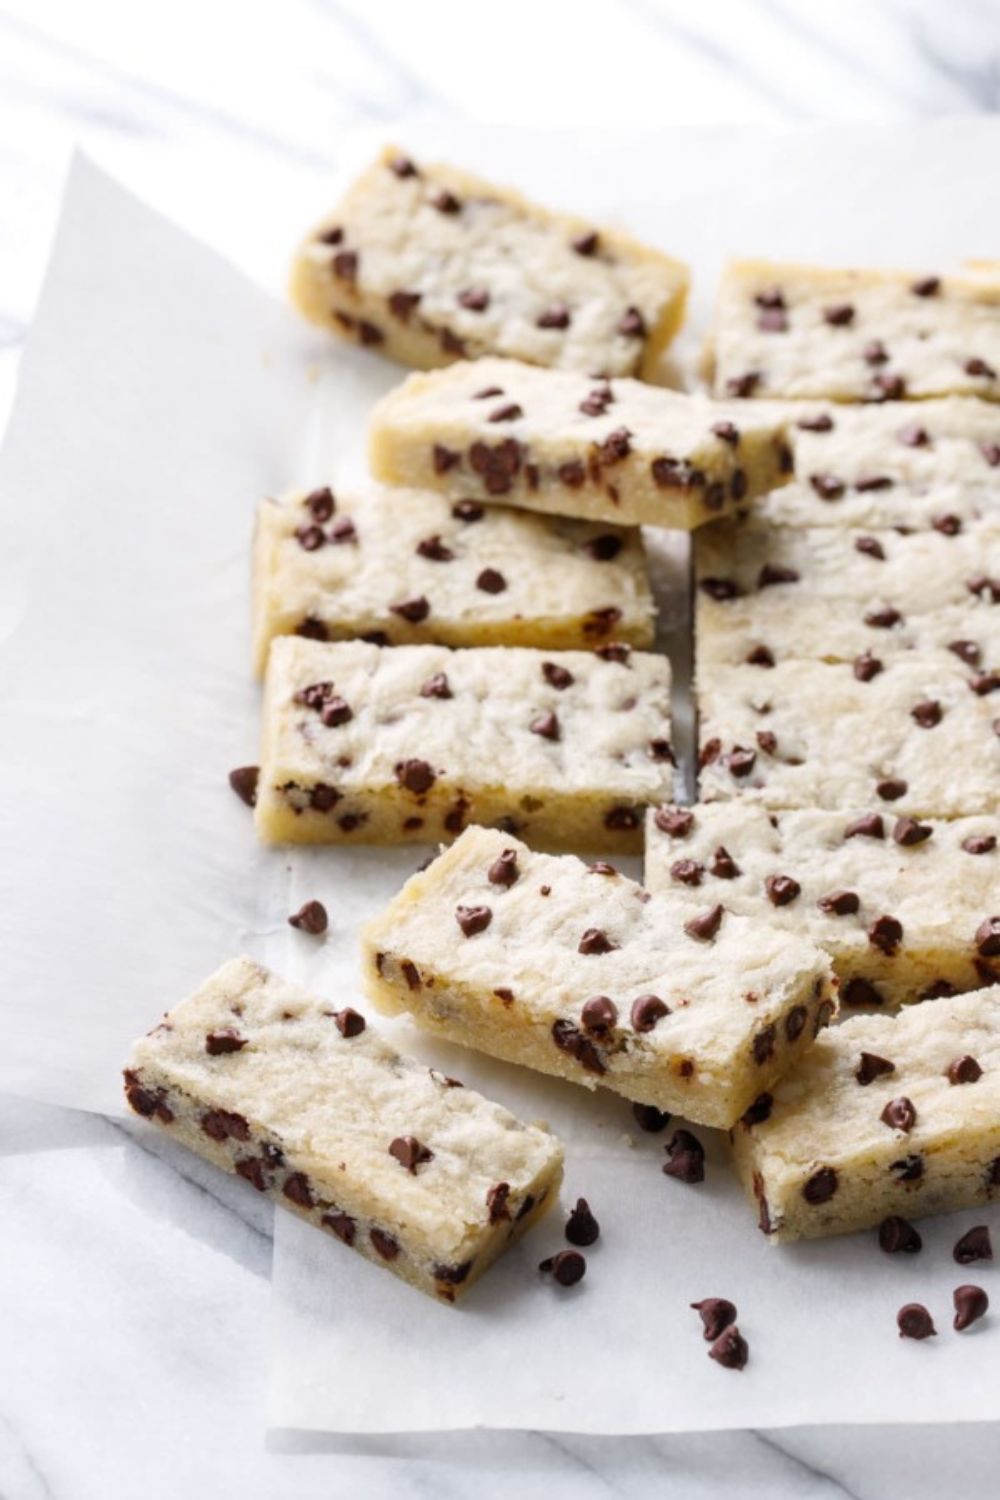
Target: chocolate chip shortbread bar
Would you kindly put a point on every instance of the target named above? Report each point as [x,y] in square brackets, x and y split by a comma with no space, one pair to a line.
[883,1116]
[905,908]
[410,744]
[577,971]
[565,443]
[395,566]
[766,593]
[310,1107]
[919,730]
[428,264]
[807,331]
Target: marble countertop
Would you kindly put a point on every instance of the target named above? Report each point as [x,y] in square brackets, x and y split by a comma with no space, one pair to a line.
[134,1304]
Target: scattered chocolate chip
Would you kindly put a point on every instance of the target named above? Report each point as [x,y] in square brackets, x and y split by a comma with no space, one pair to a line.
[685,1157]
[915,1322]
[596,941]
[871,1066]
[892,788]
[915,437]
[871,826]
[948,525]
[975,1244]
[599,1015]
[730,1349]
[496,1202]
[897,1236]
[720,589]
[508,413]
[646,1011]
[762,1048]
[888,388]
[770,574]
[987,938]
[504,870]
[870,482]
[687,871]
[822,422]
[781,889]
[760,656]
[908,831]
[567,1267]
[434,549]
[409,1152]
[977,366]
[716,1314]
[675,821]
[310,918]
[349,1022]
[758,1111]
[821,1186]
[445,202]
[741,761]
[557,316]
[743,385]
[870,546]
[473,919]
[244,783]
[839,316]
[297,1190]
[581,1226]
[345,265]
[546,725]
[980,843]
[991,453]
[839,903]
[414,610]
[649,1118]
[384,1243]
[971,1303]
[401,304]
[706,924]
[963,1070]
[252,1170]
[772,320]
[217,1043]
[866,666]
[568,1038]
[436,687]
[908,1169]
[827,486]
[632,324]
[899,1114]
[883,619]
[927,286]
[723,866]
[444,458]
[886,934]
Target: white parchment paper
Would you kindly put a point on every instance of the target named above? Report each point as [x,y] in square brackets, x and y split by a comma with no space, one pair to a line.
[161,396]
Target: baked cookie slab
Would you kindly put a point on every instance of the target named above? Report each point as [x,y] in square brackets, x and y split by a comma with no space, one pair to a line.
[409,744]
[855,335]
[885,1115]
[427,264]
[903,907]
[570,444]
[310,1107]
[767,593]
[339,567]
[578,972]
[918,731]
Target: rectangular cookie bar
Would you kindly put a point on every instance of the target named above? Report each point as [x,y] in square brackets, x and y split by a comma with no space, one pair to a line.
[903,907]
[876,466]
[355,564]
[920,731]
[577,971]
[848,335]
[312,1108]
[766,593]
[573,445]
[371,746]
[885,1115]
[428,264]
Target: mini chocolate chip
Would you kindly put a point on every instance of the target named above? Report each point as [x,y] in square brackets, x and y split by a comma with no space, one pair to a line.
[727,432]
[508,413]
[770,574]
[434,549]
[771,296]
[415,775]
[888,388]
[975,1244]
[321,503]
[556,676]
[675,821]
[760,656]
[772,320]
[473,919]
[414,610]
[342,1225]
[822,422]
[730,1349]
[646,1011]
[870,546]
[323,797]
[821,1186]
[926,714]
[781,889]
[866,666]
[871,826]
[632,324]
[886,934]
[991,453]
[496,1202]
[985,682]
[892,788]
[504,870]
[685,1157]
[762,1048]
[436,687]
[297,1190]
[743,385]
[870,482]
[649,1118]
[409,1152]
[839,316]
[603,548]
[384,1243]
[741,761]
[720,589]
[332,236]
[977,366]
[948,525]
[474,299]
[687,871]
[716,1314]
[871,1066]
[927,286]
[217,1043]
[987,938]
[915,437]
[827,486]
[915,1322]
[899,1114]
[767,741]
[581,1226]
[546,725]
[980,843]
[445,202]
[401,304]
[349,1022]
[839,903]
[908,831]
[596,941]
[586,244]
[759,1110]
[556,316]
[444,458]
[883,619]
[723,866]
[963,1070]
[971,1303]
[706,924]
[345,265]
[897,1236]
[491,581]
[599,1015]
[875,353]
[467,511]
[567,1267]
[795,1022]
[908,1169]
[310,918]
[244,783]
[252,1170]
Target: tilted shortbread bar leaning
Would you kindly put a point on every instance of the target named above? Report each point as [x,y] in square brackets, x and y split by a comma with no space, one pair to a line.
[411,743]
[902,907]
[415,1172]
[577,971]
[809,331]
[363,564]
[569,444]
[885,1115]
[428,264]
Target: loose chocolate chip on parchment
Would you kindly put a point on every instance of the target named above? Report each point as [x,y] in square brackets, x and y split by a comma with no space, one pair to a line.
[496,1202]
[444,458]
[349,1022]
[646,1011]
[762,1047]
[473,919]
[706,924]
[310,917]
[897,1236]
[915,1322]
[821,1186]
[716,1313]
[415,775]
[650,1119]
[244,783]
[599,1015]
[907,831]
[409,1152]
[963,1070]
[567,1267]
[685,1157]
[581,1226]
[839,903]
[226,1039]
[970,1303]
[871,1066]
[730,1349]
[975,1244]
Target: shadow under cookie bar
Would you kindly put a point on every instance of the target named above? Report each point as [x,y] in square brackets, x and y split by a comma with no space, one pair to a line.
[426,264]
[894,1115]
[407,745]
[578,972]
[314,1110]
[568,444]
[901,905]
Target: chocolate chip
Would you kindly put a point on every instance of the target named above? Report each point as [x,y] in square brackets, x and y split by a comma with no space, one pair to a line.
[646,1011]
[581,1226]
[870,482]
[870,546]
[900,1114]
[474,299]
[687,871]
[572,474]
[886,934]
[504,870]
[770,574]
[716,1314]
[741,761]
[975,1244]
[827,486]
[685,1157]
[649,1118]
[866,666]
[871,1066]
[323,797]
[343,532]
[821,1186]
[927,286]
[473,919]
[770,297]
[244,783]
[948,525]
[723,866]
[345,265]
[971,1303]
[888,388]
[727,432]
[349,1022]
[908,831]
[915,437]
[675,821]
[987,938]
[332,236]
[760,1109]
[297,1190]
[490,581]
[839,903]
[915,1322]
[413,610]
[401,304]
[444,458]
[217,1043]
[897,1236]
[467,511]
[743,385]
[706,924]
[762,1048]
[436,687]
[977,366]
[556,316]
[991,453]
[871,826]
[342,1225]
[252,1170]
[839,316]
[632,324]
[772,320]
[767,741]
[892,788]
[546,725]
[415,775]
[908,1169]
[508,413]
[596,941]
[615,447]
[567,1267]
[781,889]
[599,1015]
[221,1124]
[310,918]
[409,1152]
[822,422]
[883,619]
[720,589]
[730,1349]
[445,202]
[603,548]
[586,244]
[985,682]
[384,1243]
[496,1202]
[980,843]
[875,353]
[963,1070]
[434,549]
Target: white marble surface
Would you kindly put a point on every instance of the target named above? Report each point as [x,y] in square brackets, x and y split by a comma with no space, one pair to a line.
[134,1299]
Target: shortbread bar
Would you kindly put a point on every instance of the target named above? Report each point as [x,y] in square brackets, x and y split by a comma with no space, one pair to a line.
[807,331]
[903,906]
[371,746]
[311,1107]
[932,465]
[578,972]
[918,731]
[766,593]
[428,264]
[565,443]
[885,1115]
[338,567]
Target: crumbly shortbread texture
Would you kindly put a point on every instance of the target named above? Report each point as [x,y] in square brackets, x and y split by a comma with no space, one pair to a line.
[427,263]
[899,905]
[854,335]
[767,593]
[578,972]
[347,565]
[819,1158]
[305,1103]
[890,465]
[919,731]
[409,744]
[569,444]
